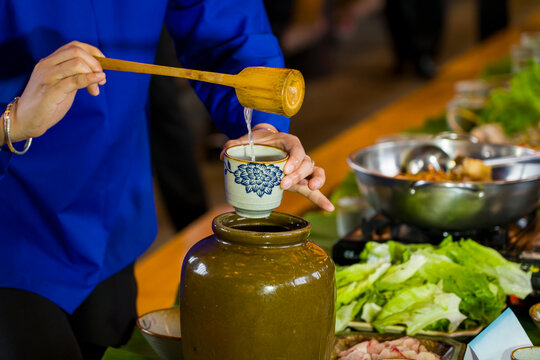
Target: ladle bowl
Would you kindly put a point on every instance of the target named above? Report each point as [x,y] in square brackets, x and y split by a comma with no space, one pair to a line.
[424,158]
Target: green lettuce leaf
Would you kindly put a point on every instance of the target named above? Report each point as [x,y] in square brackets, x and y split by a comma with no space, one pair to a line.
[419,307]
[375,253]
[344,315]
[356,272]
[470,254]
[398,274]
[348,312]
[370,311]
[444,306]
[347,294]
[389,251]
[406,299]
[482,299]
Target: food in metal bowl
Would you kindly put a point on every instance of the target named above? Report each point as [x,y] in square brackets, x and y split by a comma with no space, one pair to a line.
[469,169]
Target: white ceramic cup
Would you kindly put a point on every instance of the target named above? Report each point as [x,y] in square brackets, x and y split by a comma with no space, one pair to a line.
[253,187]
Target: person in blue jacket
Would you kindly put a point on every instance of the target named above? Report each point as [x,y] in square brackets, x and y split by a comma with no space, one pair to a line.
[76,206]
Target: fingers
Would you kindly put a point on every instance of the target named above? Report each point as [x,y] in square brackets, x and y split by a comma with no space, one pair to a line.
[76,82]
[92,50]
[71,67]
[318,178]
[77,53]
[309,188]
[73,60]
[87,47]
[301,172]
[51,89]
[93,89]
[316,196]
[296,152]
[77,49]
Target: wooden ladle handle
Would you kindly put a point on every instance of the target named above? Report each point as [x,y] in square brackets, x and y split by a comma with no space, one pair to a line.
[273,90]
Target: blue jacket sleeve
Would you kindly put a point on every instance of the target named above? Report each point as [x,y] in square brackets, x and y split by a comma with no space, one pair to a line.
[225,36]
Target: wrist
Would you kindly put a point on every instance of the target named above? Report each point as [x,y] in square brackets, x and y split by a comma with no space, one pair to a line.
[9,136]
[14,135]
[15,130]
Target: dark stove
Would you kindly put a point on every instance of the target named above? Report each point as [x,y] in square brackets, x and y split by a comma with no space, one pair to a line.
[514,241]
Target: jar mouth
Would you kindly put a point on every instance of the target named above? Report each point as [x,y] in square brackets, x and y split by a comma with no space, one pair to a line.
[278,229]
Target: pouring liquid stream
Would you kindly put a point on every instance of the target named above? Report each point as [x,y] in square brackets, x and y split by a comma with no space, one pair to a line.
[247,116]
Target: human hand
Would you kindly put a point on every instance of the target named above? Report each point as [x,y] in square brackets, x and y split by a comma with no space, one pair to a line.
[301,174]
[52,87]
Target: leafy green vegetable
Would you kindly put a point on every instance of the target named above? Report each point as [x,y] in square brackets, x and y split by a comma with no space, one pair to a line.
[418,307]
[472,255]
[348,312]
[482,299]
[406,299]
[458,283]
[444,306]
[375,253]
[392,251]
[347,294]
[352,273]
[370,311]
[400,273]
[518,107]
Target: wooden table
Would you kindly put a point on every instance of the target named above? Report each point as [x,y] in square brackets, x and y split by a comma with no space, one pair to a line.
[158,275]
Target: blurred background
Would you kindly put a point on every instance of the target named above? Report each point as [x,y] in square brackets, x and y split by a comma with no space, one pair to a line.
[357,56]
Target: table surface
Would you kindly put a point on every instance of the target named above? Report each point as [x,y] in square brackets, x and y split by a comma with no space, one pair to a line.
[158,274]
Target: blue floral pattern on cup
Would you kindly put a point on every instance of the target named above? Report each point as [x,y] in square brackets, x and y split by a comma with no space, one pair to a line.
[256,177]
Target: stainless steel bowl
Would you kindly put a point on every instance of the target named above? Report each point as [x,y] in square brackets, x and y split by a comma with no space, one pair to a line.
[513,193]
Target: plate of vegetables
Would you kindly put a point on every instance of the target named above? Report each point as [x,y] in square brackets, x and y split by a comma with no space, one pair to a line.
[452,289]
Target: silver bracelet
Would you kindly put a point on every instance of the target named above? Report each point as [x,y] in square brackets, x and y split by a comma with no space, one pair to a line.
[7,129]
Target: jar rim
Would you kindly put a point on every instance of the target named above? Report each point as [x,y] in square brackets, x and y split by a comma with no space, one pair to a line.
[290,229]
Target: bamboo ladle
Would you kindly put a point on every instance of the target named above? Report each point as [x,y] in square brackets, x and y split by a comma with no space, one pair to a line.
[273,90]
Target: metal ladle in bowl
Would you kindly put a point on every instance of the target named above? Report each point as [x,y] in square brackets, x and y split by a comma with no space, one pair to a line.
[426,157]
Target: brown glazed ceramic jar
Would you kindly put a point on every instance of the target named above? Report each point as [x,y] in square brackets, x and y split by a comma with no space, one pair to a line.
[257,289]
